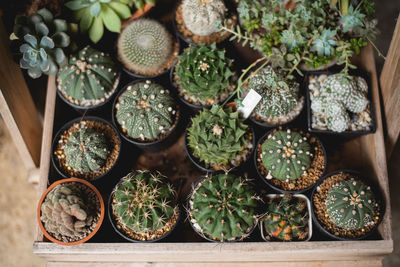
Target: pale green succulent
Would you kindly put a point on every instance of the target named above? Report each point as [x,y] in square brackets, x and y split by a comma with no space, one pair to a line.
[354,18]
[324,44]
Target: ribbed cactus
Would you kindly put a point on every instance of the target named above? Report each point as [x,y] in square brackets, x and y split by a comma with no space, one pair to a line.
[219,138]
[223,207]
[286,218]
[89,78]
[351,204]
[145,47]
[204,73]
[146,110]
[202,16]
[286,155]
[69,212]
[145,205]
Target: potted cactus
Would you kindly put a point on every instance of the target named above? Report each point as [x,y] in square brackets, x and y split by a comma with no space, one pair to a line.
[203,76]
[70,211]
[88,80]
[143,207]
[86,148]
[346,206]
[223,208]
[288,218]
[290,161]
[145,48]
[218,139]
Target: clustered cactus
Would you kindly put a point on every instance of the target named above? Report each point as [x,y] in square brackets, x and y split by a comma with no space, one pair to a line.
[43,41]
[219,138]
[204,74]
[69,212]
[145,205]
[286,218]
[223,207]
[89,78]
[146,110]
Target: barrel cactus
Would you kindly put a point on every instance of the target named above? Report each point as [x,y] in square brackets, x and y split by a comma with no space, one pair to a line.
[223,207]
[145,111]
[89,78]
[145,205]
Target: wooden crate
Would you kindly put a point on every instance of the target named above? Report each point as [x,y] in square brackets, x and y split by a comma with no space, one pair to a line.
[366,153]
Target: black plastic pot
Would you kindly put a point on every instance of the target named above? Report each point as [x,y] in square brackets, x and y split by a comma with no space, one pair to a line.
[275,188]
[377,192]
[66,127]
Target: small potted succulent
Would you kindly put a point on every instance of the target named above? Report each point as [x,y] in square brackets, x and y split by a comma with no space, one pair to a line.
[203,76]
[88,80]
[143,207]
[346,207]
[288,218]
[86,148]
[70,211]
[290,161]
[145,48]
[223,208]
[217,139]
[147,115]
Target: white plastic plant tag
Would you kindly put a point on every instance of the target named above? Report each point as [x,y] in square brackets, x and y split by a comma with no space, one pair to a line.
[249,103]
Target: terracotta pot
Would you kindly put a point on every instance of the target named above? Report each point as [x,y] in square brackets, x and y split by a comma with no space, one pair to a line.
[62,181]
[138,13]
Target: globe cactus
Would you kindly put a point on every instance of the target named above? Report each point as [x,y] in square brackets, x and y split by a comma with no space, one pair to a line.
[223,207]
[89,78]
[145,205]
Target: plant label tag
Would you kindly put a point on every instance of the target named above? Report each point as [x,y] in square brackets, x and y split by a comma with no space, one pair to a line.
[249,103]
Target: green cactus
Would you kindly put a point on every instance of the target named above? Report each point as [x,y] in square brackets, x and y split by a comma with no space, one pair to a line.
[223,207]
[145,47]
[286,218]
[43,41]
[145,205]
[219,138]
[146,110]
[204,73]
[351,204]
[89,78]
[286,155]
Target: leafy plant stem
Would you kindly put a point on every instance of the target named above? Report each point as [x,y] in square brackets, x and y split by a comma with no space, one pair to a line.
[376,48]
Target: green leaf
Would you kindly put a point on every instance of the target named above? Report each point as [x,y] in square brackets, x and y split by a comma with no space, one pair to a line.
[41,29]
[95,9]
[86,20]
[111,19]
[61,39]
[30,39]
[76,4]
[35,72]
[46,15]
[122,10]
[24,48]
[59,56]
[97,30]
[46,42]
[60,25]
[23,64]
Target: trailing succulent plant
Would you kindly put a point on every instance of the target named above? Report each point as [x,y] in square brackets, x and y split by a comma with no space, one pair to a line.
[89,78]
[204,73]
[202,16]
[42,40]
[145,47]
[145,111]
[219,138]
[286,218]
[223,207]
[145,205]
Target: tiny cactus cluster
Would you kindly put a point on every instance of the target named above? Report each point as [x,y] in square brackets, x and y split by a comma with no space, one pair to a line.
[286,218]
[223,207]
[286,155]
[146,110]
[204,74]
[202,16]
[145,205]
[89,78]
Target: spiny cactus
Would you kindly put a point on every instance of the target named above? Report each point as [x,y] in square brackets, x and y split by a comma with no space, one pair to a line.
[351,204]
[219,138]
[202,16]
[286,155]
[145,47]
[204,73]
[144,205]
[146,110]
[89,78]
[223,207]
[69,212]
[43,40]
[286,218]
